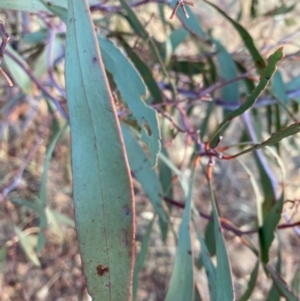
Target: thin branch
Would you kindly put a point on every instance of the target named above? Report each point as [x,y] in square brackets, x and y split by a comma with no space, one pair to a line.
[171,119]
[18,176]
[6,77]
[50,48]
[224,103]
[5,38]
[174,10]
[116,8]
[181,3]
[225,223]
[39,85]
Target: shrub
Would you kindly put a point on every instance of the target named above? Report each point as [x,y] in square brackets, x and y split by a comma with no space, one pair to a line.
[198,111]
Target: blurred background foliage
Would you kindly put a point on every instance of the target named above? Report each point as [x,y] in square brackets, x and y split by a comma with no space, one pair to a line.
[197,70]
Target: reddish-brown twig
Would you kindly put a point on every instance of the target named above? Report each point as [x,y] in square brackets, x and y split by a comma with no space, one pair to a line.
[181,3]
[226,224]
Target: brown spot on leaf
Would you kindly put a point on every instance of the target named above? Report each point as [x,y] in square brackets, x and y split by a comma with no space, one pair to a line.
[261,64]
[101,270]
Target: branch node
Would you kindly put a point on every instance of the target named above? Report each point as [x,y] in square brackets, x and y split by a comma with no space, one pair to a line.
[182,3]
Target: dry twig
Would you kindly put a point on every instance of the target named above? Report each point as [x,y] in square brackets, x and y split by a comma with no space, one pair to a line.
[181,3]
